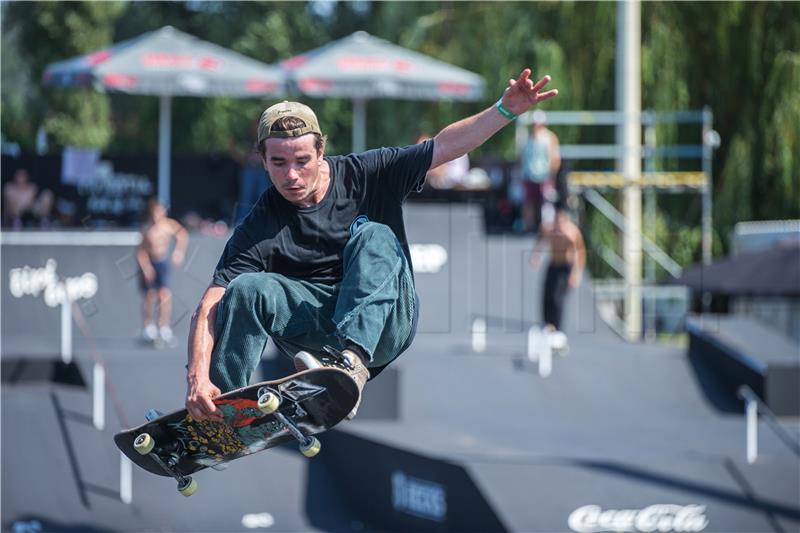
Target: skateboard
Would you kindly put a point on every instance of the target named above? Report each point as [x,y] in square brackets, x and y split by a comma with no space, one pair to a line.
[256,417]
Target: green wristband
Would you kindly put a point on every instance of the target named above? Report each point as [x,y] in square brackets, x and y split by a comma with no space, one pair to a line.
[504,110]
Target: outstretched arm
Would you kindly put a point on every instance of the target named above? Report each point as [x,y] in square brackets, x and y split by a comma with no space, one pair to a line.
[465,135]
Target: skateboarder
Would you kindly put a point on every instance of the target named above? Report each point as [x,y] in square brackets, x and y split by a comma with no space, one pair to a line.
[567,260]
[154,261]
[322,259]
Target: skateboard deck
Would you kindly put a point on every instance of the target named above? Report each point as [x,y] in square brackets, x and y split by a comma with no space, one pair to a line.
[304,404]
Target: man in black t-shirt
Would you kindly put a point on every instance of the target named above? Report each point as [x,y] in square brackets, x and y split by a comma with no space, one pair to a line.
[322,260]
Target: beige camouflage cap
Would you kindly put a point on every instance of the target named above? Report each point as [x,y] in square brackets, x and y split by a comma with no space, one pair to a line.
[287,109]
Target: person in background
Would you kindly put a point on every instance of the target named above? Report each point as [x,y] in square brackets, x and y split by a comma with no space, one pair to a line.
[153,256]
[19,197]
[564,271]
[540,162]
[42,209]
[449,175]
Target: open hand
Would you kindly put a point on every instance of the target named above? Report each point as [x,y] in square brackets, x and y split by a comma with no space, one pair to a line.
[522,94]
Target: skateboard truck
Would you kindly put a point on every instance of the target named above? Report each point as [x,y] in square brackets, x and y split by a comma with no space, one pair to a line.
[269,400]
[144,444]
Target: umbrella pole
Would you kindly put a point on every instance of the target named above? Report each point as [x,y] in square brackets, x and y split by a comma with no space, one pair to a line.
[164,136]
[359,124]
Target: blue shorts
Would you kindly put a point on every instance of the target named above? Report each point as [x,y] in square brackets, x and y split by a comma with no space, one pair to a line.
[162,276]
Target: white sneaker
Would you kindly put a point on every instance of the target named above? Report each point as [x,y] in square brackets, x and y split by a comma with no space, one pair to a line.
[557,340]
[150,333]
[166,334]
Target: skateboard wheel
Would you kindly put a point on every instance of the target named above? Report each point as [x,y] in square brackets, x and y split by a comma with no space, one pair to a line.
[268,403]
[144,444]
[311,448]
[187,486]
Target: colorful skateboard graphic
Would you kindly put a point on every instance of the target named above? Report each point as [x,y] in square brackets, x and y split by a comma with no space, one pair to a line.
[257,417]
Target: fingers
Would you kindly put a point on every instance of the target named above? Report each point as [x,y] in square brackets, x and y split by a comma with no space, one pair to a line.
[541,83]
[523,84]
[210,410]
[201,406]
[546,96]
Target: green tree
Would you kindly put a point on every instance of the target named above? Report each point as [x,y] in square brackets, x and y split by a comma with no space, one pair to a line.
[51,31]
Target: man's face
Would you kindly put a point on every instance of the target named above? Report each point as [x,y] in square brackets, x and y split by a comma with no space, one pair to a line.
[158,212]
[293,164]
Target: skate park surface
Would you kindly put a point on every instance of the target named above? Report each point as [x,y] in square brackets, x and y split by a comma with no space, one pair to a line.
[619,437]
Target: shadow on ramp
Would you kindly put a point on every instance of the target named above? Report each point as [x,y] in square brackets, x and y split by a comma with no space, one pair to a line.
[359,483]
[19,369]
[719,393]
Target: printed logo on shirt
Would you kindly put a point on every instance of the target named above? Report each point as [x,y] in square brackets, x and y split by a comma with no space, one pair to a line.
[359,221]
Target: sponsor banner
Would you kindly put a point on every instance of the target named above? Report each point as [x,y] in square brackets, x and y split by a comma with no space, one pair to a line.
[661,518]
[418,497]
[31,281]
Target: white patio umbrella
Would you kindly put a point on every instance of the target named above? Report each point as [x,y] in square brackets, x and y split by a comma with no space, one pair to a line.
[361,67]
[168,63]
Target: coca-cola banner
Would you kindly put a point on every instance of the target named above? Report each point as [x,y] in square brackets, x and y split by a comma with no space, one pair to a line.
[662,518]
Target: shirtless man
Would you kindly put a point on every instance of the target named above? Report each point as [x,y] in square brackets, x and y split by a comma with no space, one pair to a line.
[18,198]
[567,260]
[154,261]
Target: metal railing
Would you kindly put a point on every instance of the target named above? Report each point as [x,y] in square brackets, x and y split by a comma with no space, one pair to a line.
[754,405]
[71,314]
[618,219]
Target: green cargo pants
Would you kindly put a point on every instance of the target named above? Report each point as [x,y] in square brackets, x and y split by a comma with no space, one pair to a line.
[373,307]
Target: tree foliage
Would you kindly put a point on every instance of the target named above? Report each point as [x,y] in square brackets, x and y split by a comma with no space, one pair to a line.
[741,59]
[45,32]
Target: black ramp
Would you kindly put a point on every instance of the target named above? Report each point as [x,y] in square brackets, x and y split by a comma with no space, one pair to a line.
[451,439]
[394,490]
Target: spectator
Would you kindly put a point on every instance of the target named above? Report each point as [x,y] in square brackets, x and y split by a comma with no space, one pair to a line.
[154,260]
[564,272]
[19,196]
[540,162]
[449,175]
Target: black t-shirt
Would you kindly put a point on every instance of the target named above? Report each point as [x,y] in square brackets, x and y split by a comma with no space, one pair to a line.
[308,243]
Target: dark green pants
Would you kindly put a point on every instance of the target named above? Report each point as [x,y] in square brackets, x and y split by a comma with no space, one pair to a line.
[373,307]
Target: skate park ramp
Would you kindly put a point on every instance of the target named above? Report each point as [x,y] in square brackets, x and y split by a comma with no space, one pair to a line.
[618,437]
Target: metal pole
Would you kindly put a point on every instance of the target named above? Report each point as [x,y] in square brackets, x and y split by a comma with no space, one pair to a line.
[628,101]
[751,412]
[546,358]
[164,152]
[99,397]
[66,329]
[534,341]
[359,124]
[125,479]
[708,149]
[479,335]
[650,227]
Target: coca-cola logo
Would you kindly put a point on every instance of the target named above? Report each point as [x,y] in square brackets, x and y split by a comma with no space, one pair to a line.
[661,518]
